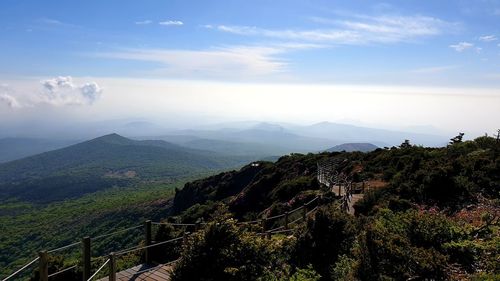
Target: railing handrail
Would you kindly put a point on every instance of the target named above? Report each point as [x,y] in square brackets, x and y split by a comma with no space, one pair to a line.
[137,248]
[21,269]
[100,268]
[327,175]
[61,271]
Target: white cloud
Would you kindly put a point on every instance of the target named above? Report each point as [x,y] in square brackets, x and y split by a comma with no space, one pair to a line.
[171,22]
[434,69]
[462,46]
[10,101]
[56,23]
[51,21]
[488,38]
[90,91]
[357,30]
[7,98]
[222,62]
[144,22]
[63,91]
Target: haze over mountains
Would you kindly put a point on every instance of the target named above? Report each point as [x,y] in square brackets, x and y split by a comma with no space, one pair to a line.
[257,139]
[16,148]
[103,162]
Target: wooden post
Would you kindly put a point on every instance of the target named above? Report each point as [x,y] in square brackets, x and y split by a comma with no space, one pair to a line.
[286,220]
[263,223]
[268,235]
[43,266]
[147,232]
[112,267]
[304,212]
[86,257]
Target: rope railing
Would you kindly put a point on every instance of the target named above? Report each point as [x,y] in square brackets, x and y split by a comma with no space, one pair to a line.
[115,232]
[339,179]
[175,224]
[276,229]
[313,209]
[283,231]
[276,217]
[63,247]
[21,269]
[138,248]
[249,222]
[62,271]
[296,220]
[99,269]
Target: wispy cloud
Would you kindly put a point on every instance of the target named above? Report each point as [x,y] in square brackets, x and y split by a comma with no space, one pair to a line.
[7,98]
[10,101]
[144,22]
[462,46]
[171,22]
[56,23]
[434,69]
[357,30]
[239,62]
[488,38]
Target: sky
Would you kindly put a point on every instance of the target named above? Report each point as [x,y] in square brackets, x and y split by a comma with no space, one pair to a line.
[391,64]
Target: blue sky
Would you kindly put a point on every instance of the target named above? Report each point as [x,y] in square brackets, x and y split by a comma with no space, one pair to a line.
[63,52]
[416,42]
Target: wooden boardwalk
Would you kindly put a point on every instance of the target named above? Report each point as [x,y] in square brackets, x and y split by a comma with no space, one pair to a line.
[144,273]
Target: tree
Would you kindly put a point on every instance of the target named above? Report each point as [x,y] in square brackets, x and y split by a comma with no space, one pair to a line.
[457,139]
[405,144]
[327,236]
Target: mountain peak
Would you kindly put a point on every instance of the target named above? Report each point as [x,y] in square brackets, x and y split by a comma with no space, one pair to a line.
[113,138]
[268,127]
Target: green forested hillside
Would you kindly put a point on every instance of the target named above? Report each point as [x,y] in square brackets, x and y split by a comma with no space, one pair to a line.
[101,163]
[26,229]
[431,214]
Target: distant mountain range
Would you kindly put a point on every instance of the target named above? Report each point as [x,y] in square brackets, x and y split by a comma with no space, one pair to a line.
[249,139]
[350,147]
[103,162]
[287,138]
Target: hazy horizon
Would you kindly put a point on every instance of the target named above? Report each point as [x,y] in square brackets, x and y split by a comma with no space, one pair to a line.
[417,66]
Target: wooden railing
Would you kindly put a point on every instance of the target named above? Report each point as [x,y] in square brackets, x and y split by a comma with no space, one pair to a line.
[85,242]
[327,175]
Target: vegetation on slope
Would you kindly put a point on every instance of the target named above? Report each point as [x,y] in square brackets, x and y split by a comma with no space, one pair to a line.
[26,229]
[434,215]
[431,213]
[101,163]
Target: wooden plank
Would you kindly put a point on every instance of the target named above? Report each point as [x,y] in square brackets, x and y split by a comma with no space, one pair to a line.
[157,273]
